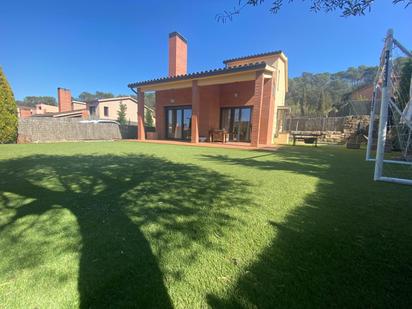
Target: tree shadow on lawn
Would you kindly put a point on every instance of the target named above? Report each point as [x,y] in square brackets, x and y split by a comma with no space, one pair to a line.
[348,245]
[118,202]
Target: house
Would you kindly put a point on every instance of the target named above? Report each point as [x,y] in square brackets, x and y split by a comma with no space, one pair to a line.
[66,102]
[362,93]
[358,101]
[25,111]
[67,107]
[97,109]
[78,105]
[45,108]
[241,98]
[109,108]
[69,114]
[38,109]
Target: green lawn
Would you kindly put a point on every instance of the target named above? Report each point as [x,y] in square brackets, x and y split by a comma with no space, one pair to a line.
[117,224]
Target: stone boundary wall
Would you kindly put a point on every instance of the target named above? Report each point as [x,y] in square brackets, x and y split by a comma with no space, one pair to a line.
[336,129]
[32,130]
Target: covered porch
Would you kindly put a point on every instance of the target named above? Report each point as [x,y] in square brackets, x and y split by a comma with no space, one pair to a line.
[239,101]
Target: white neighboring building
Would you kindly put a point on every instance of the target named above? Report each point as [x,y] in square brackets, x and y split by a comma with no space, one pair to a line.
[78,105]
[108,108]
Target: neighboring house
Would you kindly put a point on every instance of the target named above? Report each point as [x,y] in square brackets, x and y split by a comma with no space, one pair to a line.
[358,102]
[363,93]
[25,111]
[69,114]
[39,109]
[78,105]
[109,108]
[45,108]
[242,98]
[98,109]
[67,107]
[66,102]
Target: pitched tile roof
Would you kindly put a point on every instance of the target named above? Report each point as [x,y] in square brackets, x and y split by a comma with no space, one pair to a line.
[60,114]
[277,52]
[234,69]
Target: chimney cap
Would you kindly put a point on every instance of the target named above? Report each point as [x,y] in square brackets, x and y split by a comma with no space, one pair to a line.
[175,33]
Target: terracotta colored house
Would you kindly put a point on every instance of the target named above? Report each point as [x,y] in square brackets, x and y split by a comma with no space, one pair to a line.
[242,98]
[66,102]
[39,109]
[67,107]
[25,111]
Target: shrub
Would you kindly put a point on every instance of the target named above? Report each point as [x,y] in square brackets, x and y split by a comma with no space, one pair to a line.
[8,112]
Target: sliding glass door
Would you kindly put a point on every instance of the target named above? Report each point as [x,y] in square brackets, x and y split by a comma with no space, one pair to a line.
[237,121]
[178,123]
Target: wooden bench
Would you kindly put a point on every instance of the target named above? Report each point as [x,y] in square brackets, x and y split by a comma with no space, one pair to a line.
[307,137]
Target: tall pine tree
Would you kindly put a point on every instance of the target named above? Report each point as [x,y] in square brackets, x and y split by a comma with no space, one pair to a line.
[121,114]
[8,112]
[148,118]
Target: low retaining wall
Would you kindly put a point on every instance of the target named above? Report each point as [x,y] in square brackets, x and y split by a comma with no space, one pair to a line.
[335,129]
[52,130]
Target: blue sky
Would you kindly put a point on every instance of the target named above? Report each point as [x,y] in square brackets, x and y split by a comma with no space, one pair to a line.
[104,45]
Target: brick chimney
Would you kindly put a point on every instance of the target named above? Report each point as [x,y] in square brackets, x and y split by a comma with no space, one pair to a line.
[64,96]
[177,54]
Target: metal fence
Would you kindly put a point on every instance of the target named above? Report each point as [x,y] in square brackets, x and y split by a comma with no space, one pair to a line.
[130,131]
[335,124]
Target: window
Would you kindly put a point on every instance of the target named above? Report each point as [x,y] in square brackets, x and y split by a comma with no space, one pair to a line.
[92,110]
[236,121]
[106,111]
[178,122]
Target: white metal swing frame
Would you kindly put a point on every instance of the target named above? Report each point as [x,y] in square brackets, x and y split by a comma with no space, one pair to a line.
[406,116]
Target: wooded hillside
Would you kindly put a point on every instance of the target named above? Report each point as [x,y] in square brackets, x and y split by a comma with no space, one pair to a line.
[319,94]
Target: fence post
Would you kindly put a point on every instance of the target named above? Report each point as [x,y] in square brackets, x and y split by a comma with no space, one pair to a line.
[371,125]
[383,119]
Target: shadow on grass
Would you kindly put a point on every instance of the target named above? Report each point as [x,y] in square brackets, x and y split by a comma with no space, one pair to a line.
[119,202]
[348,245]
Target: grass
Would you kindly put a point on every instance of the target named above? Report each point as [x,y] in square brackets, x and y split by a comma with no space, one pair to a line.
[122,224]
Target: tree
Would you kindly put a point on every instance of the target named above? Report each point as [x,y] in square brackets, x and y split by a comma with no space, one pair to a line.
[345,7]
[324,103]
[121,114]
[148,118]
[87,96]
[305,97]
[405,83]
[8,112]
[33,100]
[150,99]
[303,102]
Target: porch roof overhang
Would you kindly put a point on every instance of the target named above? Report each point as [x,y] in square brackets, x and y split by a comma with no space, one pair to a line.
[206,78]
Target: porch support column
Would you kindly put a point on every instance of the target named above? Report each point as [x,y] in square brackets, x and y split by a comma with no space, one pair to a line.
[257,109]
[268,112]
[195,112]
[140,115]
